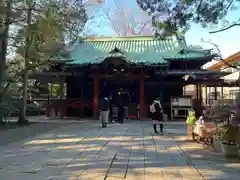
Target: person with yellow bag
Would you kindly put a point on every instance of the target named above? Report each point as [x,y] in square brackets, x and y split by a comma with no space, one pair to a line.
[191,117]
[191,120]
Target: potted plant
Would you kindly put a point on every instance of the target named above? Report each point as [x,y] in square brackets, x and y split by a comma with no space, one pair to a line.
[228,137]
[235,119]
[220,111]
[216,139]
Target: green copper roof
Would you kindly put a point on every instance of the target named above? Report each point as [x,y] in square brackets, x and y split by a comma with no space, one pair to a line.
[146,50]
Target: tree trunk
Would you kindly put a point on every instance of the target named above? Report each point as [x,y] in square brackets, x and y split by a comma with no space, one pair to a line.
[2,62]
[3,49]
[22,118]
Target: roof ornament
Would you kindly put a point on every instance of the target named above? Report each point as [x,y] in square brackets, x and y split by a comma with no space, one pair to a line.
[182,51]
[115,50]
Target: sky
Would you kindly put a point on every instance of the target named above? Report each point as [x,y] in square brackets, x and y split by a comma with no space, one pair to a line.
[228,41]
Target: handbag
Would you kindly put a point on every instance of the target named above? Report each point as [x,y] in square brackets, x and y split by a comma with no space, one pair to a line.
[165,117]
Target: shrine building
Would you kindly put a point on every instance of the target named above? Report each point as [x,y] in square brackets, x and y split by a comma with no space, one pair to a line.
[137,69]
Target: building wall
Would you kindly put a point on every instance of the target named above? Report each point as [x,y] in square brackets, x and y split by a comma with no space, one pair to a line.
[230,92]
[208,93]
[227,92]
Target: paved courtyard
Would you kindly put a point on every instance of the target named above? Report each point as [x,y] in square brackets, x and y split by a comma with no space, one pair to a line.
[84,151]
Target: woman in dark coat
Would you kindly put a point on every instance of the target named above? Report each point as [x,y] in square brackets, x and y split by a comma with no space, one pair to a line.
[104,112]
[157,115]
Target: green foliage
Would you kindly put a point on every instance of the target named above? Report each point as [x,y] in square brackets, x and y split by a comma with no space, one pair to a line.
[221,110]
[227,133]
[170,17]
[34,109]
[41,28]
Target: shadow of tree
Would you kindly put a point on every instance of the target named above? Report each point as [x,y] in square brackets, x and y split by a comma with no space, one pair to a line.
[126,151]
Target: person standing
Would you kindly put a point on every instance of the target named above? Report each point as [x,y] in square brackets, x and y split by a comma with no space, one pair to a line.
[120,112]
[104,111]
[110,108]
[157,115]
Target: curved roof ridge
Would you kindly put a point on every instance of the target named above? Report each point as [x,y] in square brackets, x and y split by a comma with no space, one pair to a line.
[125,38]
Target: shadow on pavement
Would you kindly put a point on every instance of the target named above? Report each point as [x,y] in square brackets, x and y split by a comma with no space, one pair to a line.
[128,151]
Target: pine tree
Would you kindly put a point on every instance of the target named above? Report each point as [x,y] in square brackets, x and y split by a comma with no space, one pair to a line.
[170,17]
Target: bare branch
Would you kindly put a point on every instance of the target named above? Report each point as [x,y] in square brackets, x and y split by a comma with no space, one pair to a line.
[226,28]
[126,20]
[220,56]
[113,24]
[5,88]
[230,4]
[144,25]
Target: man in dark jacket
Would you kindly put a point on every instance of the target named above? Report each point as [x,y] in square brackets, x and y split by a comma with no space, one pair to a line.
[104,111]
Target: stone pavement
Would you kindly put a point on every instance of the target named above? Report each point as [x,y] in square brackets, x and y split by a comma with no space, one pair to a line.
[84,151]
[21,133]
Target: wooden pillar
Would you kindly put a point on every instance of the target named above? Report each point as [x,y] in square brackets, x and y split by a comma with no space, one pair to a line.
[62,109]
[48,106]
[215,93]
[142,104]
[95,97]
[200,93]
[197,92]
[222,92]
[206,95]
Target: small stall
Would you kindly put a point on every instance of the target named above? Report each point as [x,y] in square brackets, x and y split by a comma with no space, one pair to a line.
[180,107]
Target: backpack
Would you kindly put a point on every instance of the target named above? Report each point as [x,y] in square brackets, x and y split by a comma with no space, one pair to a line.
[152,108]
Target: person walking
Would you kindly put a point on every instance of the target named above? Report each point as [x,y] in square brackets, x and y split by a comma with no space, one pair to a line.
[104,112]
[157,115]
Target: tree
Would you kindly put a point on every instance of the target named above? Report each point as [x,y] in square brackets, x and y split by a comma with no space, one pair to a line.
[10,92]
[171,17]
[42,29]
[5,20]
[46,27]
[128,21]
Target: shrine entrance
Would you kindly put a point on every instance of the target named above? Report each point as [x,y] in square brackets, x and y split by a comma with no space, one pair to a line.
[127,91]
[121,89]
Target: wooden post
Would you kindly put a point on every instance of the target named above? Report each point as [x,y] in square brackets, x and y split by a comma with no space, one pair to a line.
[222,92]
[200,93]
[62,109]
[142,104]
[197,92]
[215,93]
[206,95]
[95,97]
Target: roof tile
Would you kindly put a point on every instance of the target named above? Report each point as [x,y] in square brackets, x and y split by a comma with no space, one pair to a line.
[148,50]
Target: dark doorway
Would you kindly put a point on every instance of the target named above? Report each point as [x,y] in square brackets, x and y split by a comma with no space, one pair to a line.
[127,91]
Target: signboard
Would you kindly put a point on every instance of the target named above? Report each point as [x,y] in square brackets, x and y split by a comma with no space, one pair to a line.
[182,101]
